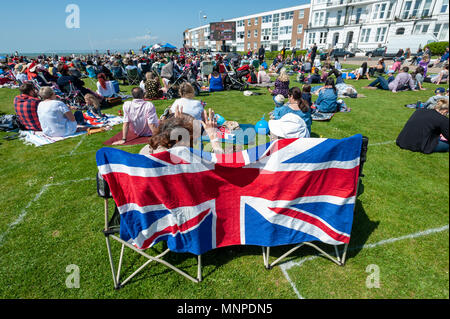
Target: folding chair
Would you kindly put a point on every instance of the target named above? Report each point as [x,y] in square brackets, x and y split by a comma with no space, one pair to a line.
[133,77]
[339,260]
[111,231]
[206,69]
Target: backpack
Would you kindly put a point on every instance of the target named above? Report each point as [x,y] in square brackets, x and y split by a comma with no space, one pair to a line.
[10,123]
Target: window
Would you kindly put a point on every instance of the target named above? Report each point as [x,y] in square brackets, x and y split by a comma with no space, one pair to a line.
[256,33]
[298,43]
[339,16]
[400,31]
[285,43]
[267,19]
[327,16]
[311,38]
[240,23]
[426,8]
[301,14]
[376,11]
[249,22]
[391,5]
[381,33]
[444,7]
[406,9]
[382,11]
[319,18]
[444,33]
[287,15]
[365,34]
[286,30]
[421,29]
[437,29]
[323,37]
[358,15]
[256,21]
[249,33]
[416,8]
[299,28]
[265,33]
[255,45]
[240,35]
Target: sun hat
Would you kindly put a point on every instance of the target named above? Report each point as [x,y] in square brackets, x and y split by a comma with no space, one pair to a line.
[289,126]
[279,99]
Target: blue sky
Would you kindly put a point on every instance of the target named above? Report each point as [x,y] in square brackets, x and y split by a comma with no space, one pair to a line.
[40,26]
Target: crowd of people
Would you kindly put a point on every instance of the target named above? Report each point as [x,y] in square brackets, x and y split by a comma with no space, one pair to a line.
[50,85]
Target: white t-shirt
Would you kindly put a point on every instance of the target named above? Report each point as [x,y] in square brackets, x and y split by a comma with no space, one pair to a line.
[191,107]
[108,92]
[53,121]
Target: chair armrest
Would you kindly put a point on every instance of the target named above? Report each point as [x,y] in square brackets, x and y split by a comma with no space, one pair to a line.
[363,156]
[103,187]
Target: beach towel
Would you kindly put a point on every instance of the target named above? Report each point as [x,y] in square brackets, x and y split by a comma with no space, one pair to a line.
[38,138]
[318,116]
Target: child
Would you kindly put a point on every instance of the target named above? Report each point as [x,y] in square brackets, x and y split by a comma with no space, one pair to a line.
[279,103]
[306,94]
[337,64]
[432,101]
[93,105]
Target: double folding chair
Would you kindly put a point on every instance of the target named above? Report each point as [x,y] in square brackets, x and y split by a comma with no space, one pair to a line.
[112,230]
[338,259]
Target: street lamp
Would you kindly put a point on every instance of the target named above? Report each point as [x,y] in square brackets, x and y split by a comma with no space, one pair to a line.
[200,17]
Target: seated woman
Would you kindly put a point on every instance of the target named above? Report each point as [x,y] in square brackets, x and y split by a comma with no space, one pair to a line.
[66,79]
[327,100]
[297,105]
[105,88]
[362,72]
[441,77]
[418,78]
[281,84]
[152,87]
[215,80]
[424,130]
[263,77]
[307,66]
[182,126]
[56,118]
[314,78]
[187,102]
[93,105]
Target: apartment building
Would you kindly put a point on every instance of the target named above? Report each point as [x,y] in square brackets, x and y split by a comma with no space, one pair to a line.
[349,24]
[367,24]
[272,29]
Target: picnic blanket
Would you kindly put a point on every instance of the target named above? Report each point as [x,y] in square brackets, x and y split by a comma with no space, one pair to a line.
[38,138]
[318,116]
[132,138]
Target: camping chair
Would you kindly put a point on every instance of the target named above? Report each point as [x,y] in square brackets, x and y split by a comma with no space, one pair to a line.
[206,69]
[133,76]
[111,231]
[339,260]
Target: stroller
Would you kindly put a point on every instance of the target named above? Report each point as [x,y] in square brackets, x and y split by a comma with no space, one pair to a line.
[185,76]
[233,79]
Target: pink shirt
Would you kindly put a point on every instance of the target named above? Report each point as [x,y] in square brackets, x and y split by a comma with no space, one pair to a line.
[140,114]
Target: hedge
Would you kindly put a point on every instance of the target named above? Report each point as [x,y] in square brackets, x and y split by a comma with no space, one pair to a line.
[437,48]
[270,55]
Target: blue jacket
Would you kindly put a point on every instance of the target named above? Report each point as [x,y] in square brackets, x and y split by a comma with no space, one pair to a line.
[327,101]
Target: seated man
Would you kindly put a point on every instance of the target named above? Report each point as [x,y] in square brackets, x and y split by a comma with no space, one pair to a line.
[140,114]
[26,106]
[402,81]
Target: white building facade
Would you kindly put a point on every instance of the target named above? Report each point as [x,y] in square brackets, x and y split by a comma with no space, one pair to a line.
[348,24]
[368,24]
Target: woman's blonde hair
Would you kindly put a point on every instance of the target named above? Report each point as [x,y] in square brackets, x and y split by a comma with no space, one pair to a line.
[92,100]
[441,104]
[149,76]
[284,77]
[187,90]
[46,92]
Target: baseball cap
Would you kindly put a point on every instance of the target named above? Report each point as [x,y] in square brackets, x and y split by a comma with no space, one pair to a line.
[289,126]
[440,90]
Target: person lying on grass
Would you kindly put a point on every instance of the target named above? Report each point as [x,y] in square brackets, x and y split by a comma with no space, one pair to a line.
[402,81]
[426,131]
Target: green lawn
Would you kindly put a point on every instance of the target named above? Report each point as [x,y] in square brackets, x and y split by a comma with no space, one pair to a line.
[52,218]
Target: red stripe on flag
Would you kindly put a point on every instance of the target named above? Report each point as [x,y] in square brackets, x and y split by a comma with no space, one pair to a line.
[173,229]
[313,221]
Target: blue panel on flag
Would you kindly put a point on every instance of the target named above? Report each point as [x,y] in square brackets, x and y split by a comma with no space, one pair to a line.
[114,156]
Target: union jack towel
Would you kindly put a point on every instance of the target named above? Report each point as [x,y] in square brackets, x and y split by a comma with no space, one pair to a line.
[285,192]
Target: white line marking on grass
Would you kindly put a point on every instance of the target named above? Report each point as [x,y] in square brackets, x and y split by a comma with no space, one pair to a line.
[78,145]
[382,143]
[288,265]
[24,211]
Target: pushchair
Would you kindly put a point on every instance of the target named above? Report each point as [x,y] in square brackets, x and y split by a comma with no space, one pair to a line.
[185,76]
[233,79]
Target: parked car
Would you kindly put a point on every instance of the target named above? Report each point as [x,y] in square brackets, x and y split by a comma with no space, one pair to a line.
[337,53]
[377,52]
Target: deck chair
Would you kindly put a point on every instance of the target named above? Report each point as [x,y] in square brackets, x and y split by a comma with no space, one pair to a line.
[111,232]
[338,259]
[133,76]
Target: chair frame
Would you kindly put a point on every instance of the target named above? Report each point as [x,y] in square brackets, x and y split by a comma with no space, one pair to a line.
[339,259]
[110,232]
